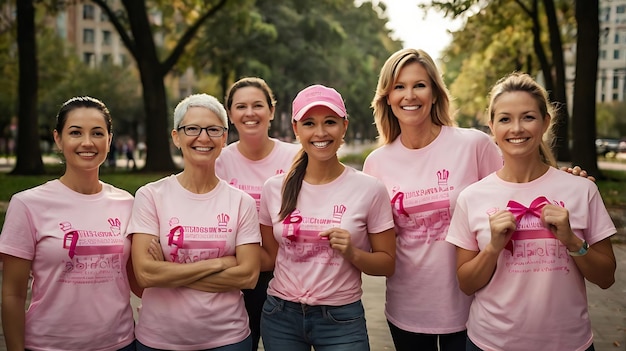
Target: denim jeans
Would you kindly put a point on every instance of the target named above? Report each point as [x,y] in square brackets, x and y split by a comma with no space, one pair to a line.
[470,346]
[244,345]
[408,341]
[291,326]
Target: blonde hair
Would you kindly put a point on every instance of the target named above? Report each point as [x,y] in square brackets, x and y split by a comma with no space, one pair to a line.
[386,122]
[517,81]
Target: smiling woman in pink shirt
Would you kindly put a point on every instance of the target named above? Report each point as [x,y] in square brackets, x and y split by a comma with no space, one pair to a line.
[208,234]
[69,234]
[323,224]
[529,235]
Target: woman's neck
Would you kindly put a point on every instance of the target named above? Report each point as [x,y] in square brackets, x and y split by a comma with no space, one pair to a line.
[418,137]
[323,172]
[518,171]
[198,180]
[255,148]
[82,182]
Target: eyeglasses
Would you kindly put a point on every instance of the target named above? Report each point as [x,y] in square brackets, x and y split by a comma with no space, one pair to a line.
[212,131]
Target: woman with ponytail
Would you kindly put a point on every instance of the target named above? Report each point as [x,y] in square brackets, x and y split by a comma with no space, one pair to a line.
[322,224]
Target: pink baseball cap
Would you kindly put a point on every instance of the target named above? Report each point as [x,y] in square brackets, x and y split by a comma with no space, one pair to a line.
[318,95]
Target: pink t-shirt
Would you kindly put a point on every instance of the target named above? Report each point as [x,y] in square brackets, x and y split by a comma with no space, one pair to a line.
[423,295]
[307,269]
[536,299]
[77,245]
[249,175]
[201,226]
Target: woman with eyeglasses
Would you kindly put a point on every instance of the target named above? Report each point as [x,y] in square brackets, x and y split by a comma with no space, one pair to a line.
[249,162]
[196,243]
[69,236]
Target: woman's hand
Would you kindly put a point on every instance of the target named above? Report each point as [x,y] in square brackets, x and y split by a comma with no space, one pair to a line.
[155,250]
[556,218]
[577,171]
[502,224]
[339,240]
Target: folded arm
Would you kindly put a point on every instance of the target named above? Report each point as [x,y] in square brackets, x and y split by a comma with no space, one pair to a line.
[164,274]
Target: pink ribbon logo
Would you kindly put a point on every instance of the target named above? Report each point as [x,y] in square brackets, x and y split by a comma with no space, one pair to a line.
[398,204]
[175,238]
[70,240]
[291,225]
[519,211]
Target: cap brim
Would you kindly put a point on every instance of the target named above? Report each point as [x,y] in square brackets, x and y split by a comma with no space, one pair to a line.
[336,109]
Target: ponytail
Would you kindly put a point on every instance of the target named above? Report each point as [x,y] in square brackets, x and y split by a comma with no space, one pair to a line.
[293,184]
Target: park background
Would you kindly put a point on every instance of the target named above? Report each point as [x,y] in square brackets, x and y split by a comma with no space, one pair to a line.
[143,56]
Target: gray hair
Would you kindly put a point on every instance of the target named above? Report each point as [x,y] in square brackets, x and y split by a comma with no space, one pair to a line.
[199,100]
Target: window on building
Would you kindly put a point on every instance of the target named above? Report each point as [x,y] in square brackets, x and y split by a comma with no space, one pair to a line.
[107,59]
[88,58]
[603,54]
[621,9]
[616,54]
[615,81]
[616,38]
[88,36]
[106,37]
[88,12]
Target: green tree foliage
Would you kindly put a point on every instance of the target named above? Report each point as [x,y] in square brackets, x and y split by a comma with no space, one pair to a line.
[545,22]
[292,44]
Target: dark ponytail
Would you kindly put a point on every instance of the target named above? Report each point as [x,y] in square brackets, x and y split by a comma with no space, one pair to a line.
[293,184]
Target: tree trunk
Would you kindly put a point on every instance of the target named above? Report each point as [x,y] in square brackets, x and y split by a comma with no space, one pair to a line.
[29,160]
[559,94]
[584,115]
[158,155]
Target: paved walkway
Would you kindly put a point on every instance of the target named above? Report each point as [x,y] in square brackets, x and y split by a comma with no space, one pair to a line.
[606,307]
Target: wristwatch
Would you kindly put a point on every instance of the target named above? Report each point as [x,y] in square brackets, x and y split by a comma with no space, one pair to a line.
[582,252]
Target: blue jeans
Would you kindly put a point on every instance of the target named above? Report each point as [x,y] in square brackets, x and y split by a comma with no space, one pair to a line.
[291,326]
[405,340]
[244,345]
[470,346]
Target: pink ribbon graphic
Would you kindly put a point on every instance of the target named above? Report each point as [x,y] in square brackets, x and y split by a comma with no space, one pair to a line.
[291,226]
[175,238]
[398,204]
[69,242]
[519,211]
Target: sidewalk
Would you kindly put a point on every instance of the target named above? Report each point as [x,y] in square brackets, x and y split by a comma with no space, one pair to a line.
[607,309]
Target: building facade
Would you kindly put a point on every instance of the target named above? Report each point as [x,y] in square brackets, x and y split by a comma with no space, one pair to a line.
[611,84]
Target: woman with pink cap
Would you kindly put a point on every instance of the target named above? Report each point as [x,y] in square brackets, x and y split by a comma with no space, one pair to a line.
[322,224]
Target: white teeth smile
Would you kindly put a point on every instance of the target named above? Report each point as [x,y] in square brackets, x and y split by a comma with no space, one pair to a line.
[411,108]
[518,140]
[250,123]
[202,148]
[87,154]
[321,144]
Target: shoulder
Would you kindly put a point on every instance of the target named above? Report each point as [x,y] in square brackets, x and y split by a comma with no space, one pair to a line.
[229,151]
[557,176]
[286,148]
[157,184]
[115,192]
[469,134]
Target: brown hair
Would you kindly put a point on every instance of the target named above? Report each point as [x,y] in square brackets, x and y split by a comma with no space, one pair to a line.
[386,122]
[293,184]
[517,81]
[250,82]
